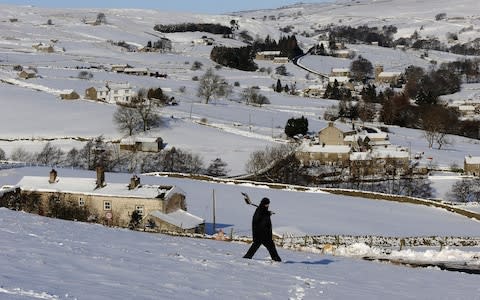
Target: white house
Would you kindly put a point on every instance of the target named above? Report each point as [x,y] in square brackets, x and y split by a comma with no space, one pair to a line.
[111,93]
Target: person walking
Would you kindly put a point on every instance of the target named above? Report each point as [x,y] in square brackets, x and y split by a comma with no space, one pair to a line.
[262,231]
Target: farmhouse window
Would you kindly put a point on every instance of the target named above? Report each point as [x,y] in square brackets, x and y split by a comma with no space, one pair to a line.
[81,201]
[107,205]
[139,209]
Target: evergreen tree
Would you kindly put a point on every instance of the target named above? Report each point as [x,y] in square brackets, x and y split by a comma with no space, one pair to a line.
[217,168]
[279,87]
[296,126]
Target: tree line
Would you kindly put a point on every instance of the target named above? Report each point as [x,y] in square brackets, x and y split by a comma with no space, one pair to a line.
[193,27]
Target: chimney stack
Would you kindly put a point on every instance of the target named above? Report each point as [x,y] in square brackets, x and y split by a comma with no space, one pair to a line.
[100,177]
[53,176]
[134,182]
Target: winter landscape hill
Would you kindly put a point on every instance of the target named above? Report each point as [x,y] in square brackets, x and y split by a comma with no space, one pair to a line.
[44,258]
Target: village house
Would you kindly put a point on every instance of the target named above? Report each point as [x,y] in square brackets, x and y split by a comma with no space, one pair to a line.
[40,47]
[267,55]
[379,162]
[280,60]
[163,206]
[120,93]
[143,144]
[136,71]
[471,165]
[344,53]
[119,68]
[310,154]
[467,110]
[340,72]
[206,41]
[314,91]
[389,77]
[332,135]
[69,95]
[366,150]
[386,77]
[27,74]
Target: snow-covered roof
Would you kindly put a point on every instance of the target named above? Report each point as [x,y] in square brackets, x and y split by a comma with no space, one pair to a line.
[389,74]
[119,86]
[135,70]
[340,79]
[306,147]
[136,139]
[87,186]
[360,156]
[102,89]
[466,108]
[389,153]
[340,70]
[472,160]
[179,218]
[269,53]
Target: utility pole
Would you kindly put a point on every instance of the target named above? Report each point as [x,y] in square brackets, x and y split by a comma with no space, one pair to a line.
[214,222]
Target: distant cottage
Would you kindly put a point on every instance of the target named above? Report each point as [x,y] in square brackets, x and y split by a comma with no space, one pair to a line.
[471,165]
[27,74]
[112,93]
[143,144]
[69,95]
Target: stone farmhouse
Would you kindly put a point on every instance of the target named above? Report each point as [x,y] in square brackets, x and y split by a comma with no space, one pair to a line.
[113,203]
[340,72]
[386,77]
[267,55]
[27,74]
[471,165]
[366,150]
[69,95]
[120,93]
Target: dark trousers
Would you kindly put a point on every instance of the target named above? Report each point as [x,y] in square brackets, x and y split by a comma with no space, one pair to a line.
[268,244]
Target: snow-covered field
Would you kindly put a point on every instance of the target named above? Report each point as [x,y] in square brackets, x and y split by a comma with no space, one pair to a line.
[43,258]
[32,110]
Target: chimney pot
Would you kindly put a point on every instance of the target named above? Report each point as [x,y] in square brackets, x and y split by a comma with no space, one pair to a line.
[53,176]
[100,177]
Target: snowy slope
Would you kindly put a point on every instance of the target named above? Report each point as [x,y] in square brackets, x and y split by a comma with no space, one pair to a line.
[44,258]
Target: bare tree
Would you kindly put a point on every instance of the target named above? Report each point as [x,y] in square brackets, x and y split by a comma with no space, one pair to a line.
[127,119]
[2,154]
[72,158]
[366,111]
[263,159]
[435,122]
[50,155]
[212,85]
[252,96]
[20,154]
[146,109]
[101,18]
[463,189]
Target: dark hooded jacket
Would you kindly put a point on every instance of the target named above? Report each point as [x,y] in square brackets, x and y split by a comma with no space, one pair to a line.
[261,223]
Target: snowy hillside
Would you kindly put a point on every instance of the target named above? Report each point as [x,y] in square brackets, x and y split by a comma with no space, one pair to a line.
[44,258]
[33,112]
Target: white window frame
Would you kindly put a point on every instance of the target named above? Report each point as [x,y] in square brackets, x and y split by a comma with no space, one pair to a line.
[81,201]
[107,205]
[140,209]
